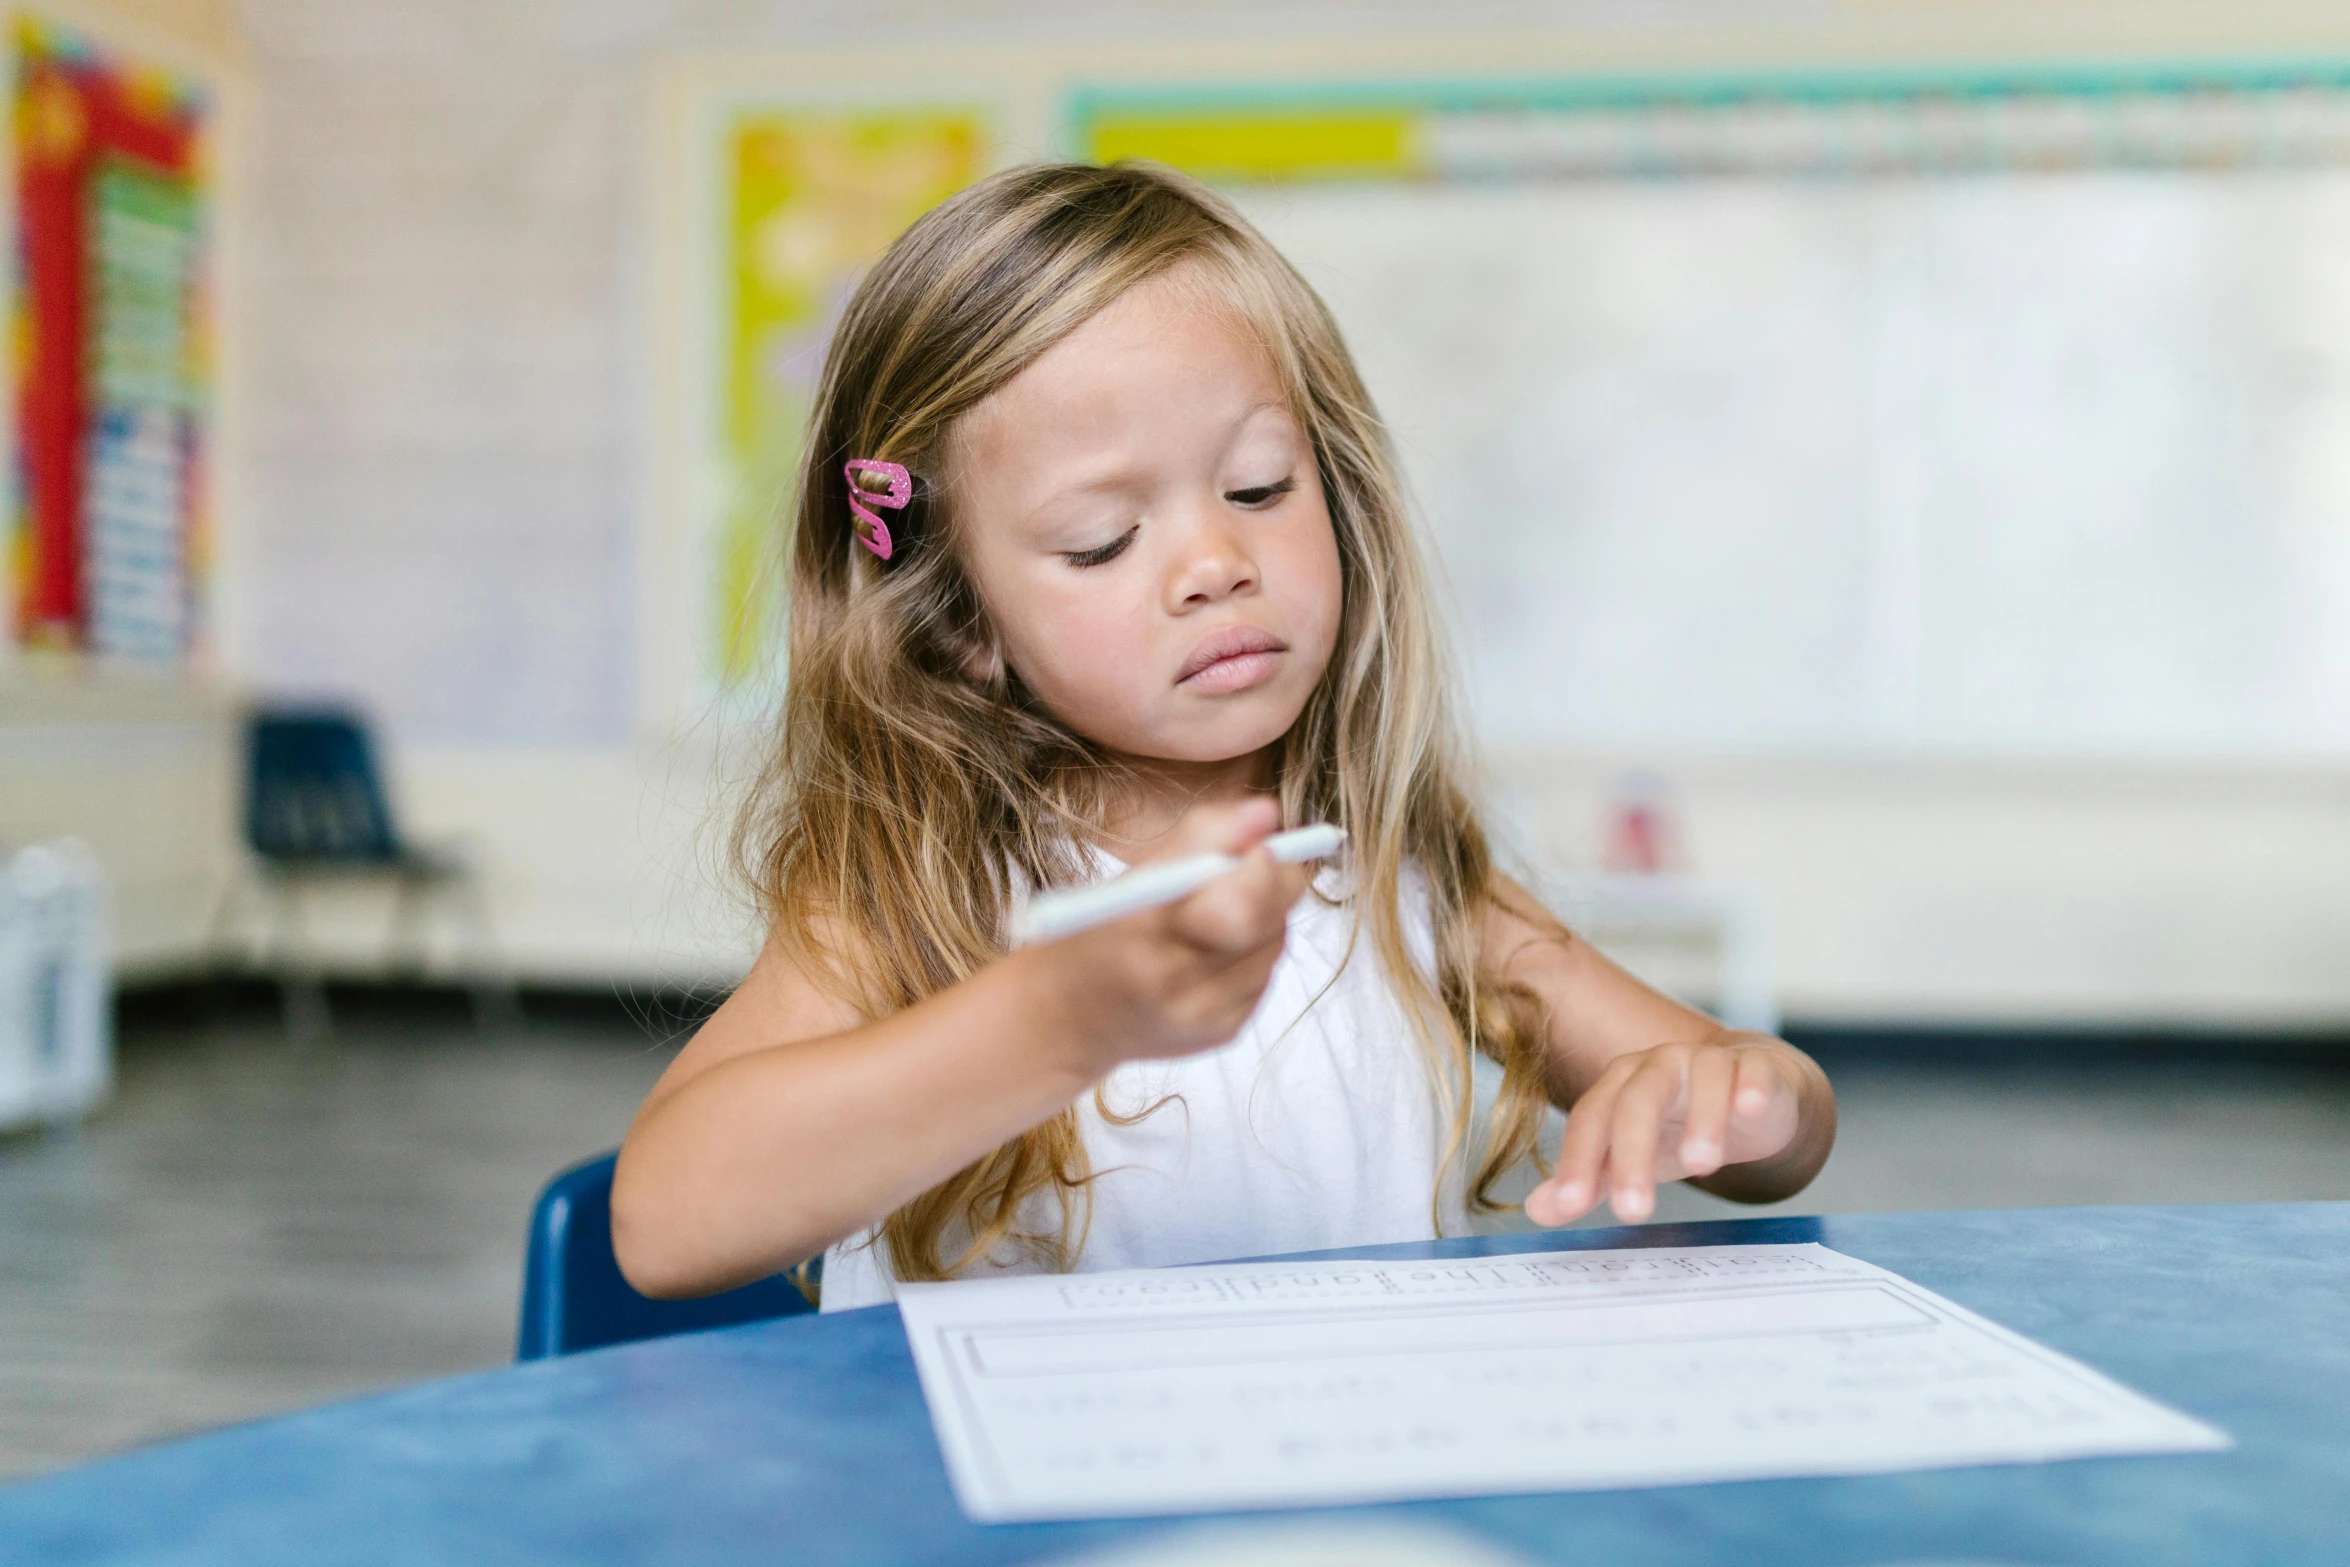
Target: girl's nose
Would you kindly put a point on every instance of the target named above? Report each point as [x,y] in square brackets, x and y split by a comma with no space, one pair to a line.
[1217,567]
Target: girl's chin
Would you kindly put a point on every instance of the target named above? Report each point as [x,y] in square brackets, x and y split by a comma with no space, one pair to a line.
[1197,732]
[1205,744]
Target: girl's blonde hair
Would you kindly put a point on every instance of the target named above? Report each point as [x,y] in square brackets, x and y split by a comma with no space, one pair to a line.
[904,793]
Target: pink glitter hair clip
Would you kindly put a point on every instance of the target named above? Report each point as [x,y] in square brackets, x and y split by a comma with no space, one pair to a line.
[871,531]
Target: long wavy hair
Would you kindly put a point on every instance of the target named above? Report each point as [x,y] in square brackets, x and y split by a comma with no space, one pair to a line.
[905,796]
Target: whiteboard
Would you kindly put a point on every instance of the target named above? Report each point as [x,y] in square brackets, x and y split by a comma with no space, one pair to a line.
[2046,464]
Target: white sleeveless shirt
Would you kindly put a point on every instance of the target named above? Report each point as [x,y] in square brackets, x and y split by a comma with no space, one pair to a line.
[1315,1127]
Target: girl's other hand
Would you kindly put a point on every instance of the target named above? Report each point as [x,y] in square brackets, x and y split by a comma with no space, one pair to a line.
[1668,1114]
[1180,979]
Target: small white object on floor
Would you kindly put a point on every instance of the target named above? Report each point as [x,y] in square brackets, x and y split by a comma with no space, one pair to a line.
[1294,1384]
[56,1022]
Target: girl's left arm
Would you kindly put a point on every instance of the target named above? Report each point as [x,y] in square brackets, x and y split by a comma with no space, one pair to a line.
[1655,1091]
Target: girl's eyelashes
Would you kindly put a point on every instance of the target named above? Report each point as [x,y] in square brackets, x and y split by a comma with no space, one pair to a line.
[1101,554]
[1261,494]
[1254,498]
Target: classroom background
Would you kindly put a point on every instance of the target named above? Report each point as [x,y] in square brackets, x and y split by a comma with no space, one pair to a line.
[1889,461]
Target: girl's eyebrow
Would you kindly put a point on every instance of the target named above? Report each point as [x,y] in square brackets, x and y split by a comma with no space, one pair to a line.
[1249,415]
[1125,477]
[1114,481]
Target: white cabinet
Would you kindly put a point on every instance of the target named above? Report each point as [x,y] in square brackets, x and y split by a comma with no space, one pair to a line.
[56,1036]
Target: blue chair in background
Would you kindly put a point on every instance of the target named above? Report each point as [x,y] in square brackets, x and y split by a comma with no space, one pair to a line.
[573,1296]
[315,813]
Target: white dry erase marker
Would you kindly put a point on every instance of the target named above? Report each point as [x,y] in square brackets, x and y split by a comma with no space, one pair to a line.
[1059,914]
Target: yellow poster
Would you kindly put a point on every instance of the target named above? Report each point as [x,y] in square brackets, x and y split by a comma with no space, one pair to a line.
[1236,146]
[813,198]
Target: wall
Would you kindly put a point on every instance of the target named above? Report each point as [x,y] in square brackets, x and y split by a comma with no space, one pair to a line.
[451,220]
[142,770]
[1978,892]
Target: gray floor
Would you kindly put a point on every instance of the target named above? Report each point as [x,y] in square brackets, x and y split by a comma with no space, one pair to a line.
[250,1226]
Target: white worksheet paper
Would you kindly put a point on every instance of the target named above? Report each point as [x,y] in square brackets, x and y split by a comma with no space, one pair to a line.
[1247,1385]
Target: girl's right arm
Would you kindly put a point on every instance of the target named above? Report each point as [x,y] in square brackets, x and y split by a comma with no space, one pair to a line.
[788,1122]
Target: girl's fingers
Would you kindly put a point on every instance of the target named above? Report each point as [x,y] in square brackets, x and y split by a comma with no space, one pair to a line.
[1763,1109]
[1583,1150]
[1225,829]
[1223,916]
[1203,998]
[1705,1123]
[1600,1182]
[1573,1188]
[1244,910]
[1676,1108]
[1639,1123]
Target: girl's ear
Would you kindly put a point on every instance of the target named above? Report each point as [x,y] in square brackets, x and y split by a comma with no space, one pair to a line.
[978,652]
[983,660]
[970,640]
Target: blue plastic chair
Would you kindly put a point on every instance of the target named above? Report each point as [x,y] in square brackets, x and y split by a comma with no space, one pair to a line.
[314,795]
[316,812]
[574,1298]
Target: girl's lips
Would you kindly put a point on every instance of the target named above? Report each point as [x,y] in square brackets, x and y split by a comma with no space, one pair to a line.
[1236,673]
[1231,660]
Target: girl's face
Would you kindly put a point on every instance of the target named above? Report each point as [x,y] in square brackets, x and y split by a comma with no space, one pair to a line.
[1143,520]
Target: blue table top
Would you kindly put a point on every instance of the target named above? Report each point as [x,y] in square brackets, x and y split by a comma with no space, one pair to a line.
[806,1441]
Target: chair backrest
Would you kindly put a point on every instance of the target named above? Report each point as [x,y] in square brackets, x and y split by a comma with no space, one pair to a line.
[312,791]
[574,1298]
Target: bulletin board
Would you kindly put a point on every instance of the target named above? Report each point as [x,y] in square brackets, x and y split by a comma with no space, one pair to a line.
[1857,413]
[812,196]
[110,546]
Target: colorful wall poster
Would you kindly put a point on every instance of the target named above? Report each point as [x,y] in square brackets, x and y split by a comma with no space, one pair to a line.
[2209,115]
[112,351]
[810,199]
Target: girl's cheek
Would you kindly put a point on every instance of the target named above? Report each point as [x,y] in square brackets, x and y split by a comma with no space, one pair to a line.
[1100,647]
[1098,622]
[1319,593]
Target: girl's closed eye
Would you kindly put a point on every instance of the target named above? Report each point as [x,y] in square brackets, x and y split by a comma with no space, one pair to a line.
[1257,497]
[1102,554]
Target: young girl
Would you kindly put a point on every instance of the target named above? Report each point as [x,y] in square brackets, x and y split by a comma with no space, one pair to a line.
[1101,557]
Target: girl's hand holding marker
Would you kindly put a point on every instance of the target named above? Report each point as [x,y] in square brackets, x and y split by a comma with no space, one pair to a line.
[1171,958]
[1059,914]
